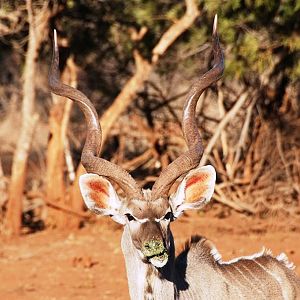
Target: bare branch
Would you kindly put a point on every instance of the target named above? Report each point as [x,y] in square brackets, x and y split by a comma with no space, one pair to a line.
[243,136]
[238,206]
[222,114]
[176,30]
[230,114]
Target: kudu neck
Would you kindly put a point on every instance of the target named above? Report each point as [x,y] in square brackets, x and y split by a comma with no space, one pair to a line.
[144,280]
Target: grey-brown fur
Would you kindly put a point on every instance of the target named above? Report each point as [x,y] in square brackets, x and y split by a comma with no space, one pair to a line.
[198,274]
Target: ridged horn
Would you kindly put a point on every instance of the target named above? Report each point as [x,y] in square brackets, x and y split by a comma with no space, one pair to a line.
[191,158]
[89,157]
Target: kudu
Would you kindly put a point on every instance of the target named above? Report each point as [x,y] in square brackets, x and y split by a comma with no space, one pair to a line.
[147,243]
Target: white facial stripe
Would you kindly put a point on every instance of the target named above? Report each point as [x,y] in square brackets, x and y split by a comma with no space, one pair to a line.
[160,219]
[142,220]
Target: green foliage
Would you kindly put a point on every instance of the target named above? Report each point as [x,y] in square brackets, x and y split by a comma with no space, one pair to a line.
[141,11]
[249,48]
[258,33]
[227,31]
[196,37]
[295,74]
[293,42]
[70,4]
[255,31]
[175,12]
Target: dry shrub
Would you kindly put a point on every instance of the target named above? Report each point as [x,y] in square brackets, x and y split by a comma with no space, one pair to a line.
[266,179]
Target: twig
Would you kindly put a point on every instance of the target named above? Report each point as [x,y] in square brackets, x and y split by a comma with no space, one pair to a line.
[176,30]
[218,163]
[1,169]
[222,113]
[69,160]
[138,161]
[147,179]
[68,210]
[241,207]
[193,52]
[243,136]
[229,115]
[281,154]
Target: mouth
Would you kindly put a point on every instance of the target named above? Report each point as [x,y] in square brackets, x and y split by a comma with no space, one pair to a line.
[155,253]
[159,260]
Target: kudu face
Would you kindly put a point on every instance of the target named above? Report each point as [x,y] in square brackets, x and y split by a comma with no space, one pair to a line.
[147,214]
[148,219]
[148,223]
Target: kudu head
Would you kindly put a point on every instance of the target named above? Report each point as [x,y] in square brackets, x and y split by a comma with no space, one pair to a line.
[147,214]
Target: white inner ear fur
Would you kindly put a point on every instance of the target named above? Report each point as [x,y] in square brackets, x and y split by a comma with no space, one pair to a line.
[178,201]
[109,200]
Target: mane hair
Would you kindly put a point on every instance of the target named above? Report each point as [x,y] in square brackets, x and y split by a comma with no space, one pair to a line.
[210,251]
[281,258]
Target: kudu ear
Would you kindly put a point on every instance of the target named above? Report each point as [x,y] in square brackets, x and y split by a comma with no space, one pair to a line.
[100,196]
[195,191]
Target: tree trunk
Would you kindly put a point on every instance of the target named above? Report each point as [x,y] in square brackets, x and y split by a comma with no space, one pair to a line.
[37,32]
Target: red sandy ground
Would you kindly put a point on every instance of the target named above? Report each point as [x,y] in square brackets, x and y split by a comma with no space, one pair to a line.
[88,263]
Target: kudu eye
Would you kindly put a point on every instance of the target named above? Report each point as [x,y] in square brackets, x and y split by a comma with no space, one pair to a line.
[168,216]
[130,217]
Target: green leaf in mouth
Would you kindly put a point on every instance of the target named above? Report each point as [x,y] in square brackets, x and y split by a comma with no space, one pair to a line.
[153,248]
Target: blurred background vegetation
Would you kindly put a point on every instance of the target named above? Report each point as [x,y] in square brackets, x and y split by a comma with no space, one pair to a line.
[249,120]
